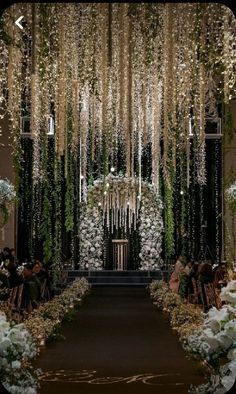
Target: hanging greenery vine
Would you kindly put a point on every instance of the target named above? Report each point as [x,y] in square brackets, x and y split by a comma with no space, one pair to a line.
[124,88]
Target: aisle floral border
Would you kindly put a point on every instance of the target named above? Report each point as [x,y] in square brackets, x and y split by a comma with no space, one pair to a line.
[209,337]
[17,349]
[20,343]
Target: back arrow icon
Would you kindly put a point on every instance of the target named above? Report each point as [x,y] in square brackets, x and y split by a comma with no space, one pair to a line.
[17,22]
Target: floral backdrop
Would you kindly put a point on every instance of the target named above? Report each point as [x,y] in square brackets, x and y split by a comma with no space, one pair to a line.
[116,202]
[151,230]
[91,239]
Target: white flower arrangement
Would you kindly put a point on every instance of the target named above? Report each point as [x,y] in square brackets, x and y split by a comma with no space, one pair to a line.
[17,348]
[91,239]
[7,192]
[7,197]
[231,191]
[228,293]
[151,229]
[217,340]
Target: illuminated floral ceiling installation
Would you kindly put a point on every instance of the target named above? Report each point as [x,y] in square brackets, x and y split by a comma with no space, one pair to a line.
[124,75]
[119,80]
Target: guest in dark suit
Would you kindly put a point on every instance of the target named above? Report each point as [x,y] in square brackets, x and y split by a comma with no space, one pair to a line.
[31,288]
[14,278]
[5,255]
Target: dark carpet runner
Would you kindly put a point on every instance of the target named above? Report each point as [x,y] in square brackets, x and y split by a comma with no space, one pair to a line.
[117,343]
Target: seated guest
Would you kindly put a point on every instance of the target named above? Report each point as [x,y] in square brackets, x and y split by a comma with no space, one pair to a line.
[31,288]
[193,275]
[5,255]
[221,277]
[36,268]
[175,276]
[12,255]
[185,281]
[194,270]
[40,270]
[205,276]
[205,272]
[14,278]
[38,276]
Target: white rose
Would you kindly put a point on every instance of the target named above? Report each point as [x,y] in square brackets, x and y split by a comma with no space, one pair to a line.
[16,364]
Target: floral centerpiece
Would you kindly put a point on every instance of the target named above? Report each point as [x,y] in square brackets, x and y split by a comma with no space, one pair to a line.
[17,349]
[7,198]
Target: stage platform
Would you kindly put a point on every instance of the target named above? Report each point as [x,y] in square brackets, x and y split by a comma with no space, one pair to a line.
[118,278]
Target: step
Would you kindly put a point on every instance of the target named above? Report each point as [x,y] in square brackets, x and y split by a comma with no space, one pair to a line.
[86,273]
[117,278]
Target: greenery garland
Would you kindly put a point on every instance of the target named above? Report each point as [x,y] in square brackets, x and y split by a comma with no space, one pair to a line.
[148,19]
[169,222]
[45,229]
[70,180]
[227,124]
[56,258]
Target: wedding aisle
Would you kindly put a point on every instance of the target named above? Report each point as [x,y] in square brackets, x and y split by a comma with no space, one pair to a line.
[118,342]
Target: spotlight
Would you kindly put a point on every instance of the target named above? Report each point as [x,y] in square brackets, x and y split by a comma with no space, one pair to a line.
[81,177]
[99,204]
[181,192]
[107,185]
[112,169]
